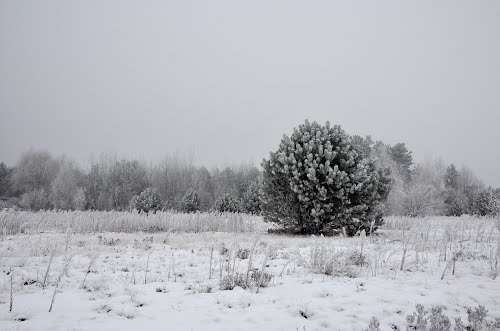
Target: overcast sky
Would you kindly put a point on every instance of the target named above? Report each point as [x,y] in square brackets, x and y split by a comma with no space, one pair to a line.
[221,81]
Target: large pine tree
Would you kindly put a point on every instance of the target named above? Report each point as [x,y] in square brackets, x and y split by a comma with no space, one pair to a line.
[318,181]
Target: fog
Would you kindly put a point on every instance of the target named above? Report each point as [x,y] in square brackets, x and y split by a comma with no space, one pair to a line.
[222,81]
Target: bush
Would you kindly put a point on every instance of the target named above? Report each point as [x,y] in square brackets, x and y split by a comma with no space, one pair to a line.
[230,281]
[255,279]
[148,201]
[260,278]
[477,320]
[486,203]
[319,182]
[435,319]
[227,204]
[243,253]
[191,202]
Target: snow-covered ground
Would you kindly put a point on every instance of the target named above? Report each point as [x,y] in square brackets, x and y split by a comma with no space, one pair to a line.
[172,281]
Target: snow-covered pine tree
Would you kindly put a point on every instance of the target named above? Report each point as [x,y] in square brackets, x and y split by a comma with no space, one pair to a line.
[319,182]
[148,201]
[227,204]
[486,203]
[191,202]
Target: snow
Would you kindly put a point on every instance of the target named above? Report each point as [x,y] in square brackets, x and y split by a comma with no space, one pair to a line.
[175,293]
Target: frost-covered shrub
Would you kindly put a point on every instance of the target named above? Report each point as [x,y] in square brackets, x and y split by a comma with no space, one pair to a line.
[230,281]
[201,288]
[477,320]
[108,241]
[486,203]
[436,320]
[260,278]
[227,204]
[419,319]
[319,182]
[358,259]
[243,253]
[191,202]
[148,201]
[256,278]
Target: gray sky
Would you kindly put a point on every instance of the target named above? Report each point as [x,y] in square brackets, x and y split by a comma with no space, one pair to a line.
[223,80]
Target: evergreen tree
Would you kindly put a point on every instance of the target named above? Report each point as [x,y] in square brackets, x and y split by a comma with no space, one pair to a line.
[148,201]
[470,188]
[486,203]
[319,182]
[227,204]
[364,145]
[191,202]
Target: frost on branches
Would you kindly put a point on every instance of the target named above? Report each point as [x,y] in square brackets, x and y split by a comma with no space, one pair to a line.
[148,201]
[227,204]
[191,202]
[319,182]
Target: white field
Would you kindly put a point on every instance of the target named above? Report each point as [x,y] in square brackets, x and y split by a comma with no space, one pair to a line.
[161,280]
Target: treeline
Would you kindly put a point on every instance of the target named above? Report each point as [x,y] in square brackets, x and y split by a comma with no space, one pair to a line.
[430,187]
[40,181]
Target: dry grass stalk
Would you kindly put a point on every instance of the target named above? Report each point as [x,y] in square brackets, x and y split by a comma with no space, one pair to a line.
[250,259]
[211,259]
[46,276]
[92,261]
[11,302]
[146,271]
[63,271]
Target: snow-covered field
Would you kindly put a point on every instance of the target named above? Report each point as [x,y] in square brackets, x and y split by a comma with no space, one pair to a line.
[181,280]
